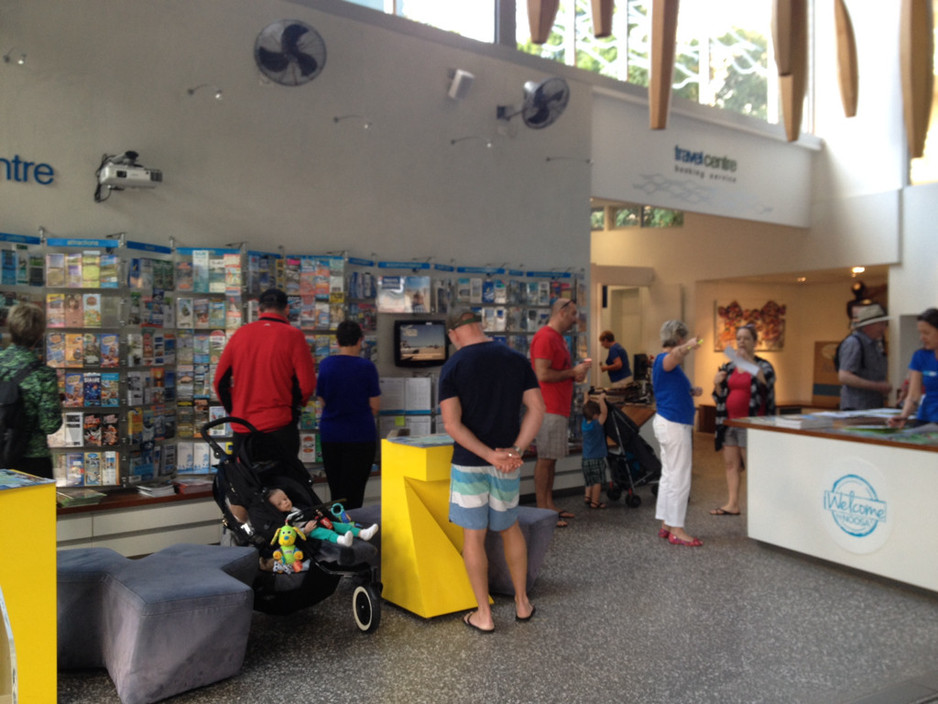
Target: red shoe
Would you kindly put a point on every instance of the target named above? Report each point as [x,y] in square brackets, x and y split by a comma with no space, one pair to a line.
[664,534]
[674,540]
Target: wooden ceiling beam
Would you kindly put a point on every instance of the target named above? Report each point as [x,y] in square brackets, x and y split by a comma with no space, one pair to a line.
[661,72]
[916,52]
[790,34]
[541,16]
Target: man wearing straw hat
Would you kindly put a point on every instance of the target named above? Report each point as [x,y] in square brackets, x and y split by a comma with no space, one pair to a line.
[862,360]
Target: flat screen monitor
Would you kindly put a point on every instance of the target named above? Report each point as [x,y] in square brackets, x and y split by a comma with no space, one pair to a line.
[420,343]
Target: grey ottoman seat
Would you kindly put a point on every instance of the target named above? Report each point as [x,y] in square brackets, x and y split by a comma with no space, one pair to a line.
[161,625]
[537,526]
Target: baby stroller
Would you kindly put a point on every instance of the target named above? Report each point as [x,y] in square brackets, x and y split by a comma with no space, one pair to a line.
[239,482]
[633,463]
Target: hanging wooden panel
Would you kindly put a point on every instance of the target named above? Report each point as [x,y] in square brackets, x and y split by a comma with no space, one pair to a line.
[661,72]
[847,69]
[916,49]
[790,34]
[602,17]
[541,16]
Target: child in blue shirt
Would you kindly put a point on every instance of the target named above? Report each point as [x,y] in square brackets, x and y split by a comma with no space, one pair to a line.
[594,450]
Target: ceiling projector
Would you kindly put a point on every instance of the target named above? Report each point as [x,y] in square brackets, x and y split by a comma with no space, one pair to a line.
[129,176]
[120,171]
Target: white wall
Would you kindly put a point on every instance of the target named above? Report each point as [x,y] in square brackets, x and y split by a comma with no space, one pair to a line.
[267,164]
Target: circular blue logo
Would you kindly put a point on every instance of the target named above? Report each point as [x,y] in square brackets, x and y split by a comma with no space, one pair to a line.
[854,505]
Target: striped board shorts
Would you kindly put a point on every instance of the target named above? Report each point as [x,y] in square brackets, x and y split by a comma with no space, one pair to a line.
[482,497]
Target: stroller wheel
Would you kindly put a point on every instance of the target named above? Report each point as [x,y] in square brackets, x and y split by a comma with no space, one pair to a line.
[366,607]
[633,501]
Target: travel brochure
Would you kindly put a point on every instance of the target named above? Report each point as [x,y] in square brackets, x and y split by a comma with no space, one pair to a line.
[135,364]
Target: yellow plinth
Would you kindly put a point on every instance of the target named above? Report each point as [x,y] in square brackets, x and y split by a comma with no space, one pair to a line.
[27,577]
[421,551]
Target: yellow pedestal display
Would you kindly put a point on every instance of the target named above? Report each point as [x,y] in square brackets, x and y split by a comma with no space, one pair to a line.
[421,551]
[27,577]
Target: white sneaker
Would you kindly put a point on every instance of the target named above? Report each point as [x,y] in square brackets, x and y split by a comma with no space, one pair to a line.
[369,532]
[345,540]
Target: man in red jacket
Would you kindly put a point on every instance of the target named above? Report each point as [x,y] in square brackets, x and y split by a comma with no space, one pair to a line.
[265,375]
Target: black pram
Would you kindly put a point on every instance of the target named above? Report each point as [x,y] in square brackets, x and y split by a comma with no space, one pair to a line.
[243,483]
[633,463]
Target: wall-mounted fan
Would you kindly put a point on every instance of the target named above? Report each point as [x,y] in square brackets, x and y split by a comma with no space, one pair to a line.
[290,52]
[543,103]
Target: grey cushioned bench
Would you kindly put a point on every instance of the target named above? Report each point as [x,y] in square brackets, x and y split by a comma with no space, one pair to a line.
[161,625]
[537,526]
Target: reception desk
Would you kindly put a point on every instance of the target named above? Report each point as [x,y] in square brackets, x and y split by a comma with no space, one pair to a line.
[855,499]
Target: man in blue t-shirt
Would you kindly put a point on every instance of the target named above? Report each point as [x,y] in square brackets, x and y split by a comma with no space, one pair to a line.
[617,363]
[483,388]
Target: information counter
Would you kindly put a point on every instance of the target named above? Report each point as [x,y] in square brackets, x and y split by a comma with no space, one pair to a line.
[860,498]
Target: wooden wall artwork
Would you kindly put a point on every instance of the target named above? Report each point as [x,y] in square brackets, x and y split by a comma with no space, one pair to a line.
[769,320]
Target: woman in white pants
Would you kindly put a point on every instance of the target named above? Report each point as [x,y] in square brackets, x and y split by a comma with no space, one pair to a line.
[673,424]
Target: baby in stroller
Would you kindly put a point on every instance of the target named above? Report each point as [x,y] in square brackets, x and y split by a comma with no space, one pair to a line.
[320,526]
[242,489]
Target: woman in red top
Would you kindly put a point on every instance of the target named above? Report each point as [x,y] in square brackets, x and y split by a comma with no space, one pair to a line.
[742,387]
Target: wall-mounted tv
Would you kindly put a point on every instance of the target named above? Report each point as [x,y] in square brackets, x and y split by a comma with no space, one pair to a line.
[420,343]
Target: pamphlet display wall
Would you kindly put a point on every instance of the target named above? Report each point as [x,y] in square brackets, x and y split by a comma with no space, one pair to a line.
[135,331]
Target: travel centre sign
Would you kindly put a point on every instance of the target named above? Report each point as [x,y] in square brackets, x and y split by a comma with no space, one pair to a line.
[21,170]
[699,166]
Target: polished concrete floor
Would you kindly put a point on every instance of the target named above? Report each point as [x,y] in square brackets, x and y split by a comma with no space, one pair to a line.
[622,616]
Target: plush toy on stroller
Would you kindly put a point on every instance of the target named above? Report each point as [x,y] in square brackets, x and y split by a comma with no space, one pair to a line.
[252,495]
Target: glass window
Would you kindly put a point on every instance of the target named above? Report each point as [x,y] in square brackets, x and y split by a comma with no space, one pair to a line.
[721,57]
[470,18]
[381,5]
[597,218]
[629,216]
[661,217]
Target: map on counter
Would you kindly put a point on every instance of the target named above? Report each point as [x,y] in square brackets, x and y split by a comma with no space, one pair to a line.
[434,440]
[13,479]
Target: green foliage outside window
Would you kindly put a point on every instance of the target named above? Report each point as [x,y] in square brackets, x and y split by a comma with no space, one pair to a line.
[734,78]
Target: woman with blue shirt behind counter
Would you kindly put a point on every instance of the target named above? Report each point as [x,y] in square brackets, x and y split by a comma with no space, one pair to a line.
[674,424]
[923,373]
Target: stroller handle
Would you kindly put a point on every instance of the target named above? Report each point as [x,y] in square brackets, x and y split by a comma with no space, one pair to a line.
[216,448]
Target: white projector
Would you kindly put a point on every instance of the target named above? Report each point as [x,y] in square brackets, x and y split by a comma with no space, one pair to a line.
[129,176]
